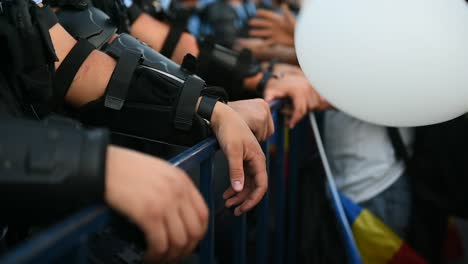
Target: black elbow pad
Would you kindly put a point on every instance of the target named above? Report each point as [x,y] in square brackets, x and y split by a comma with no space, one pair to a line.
[149,57]
[55,165]
[87,23]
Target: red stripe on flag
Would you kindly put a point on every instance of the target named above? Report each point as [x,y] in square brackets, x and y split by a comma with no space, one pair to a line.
[453,245]
[406,255]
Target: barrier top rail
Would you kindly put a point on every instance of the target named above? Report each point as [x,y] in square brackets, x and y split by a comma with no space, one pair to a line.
[69,234]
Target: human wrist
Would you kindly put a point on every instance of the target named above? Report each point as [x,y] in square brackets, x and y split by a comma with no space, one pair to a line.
[250,83]
[219,113]
[267,78]
[89,85]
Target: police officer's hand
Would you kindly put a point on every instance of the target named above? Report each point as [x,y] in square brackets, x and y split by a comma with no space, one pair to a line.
[282,69]
[160,199]
[303,95]
[256,113]
[247,166]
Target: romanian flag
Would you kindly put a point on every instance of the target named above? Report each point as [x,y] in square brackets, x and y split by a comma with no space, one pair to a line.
[453,246]
[376,242]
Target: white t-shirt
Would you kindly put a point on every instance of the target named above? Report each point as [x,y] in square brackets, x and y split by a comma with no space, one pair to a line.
[361,155]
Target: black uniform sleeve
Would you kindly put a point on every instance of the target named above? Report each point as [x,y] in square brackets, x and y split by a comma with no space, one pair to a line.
[54,165]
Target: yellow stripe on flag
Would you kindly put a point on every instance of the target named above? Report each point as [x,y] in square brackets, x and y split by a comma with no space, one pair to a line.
[376,242]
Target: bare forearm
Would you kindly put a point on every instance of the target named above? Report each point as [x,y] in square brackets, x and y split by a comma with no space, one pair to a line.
[150,31]
[154,33]
[92,78]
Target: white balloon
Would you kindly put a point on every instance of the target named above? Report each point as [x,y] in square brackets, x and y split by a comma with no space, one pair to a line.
[389,62]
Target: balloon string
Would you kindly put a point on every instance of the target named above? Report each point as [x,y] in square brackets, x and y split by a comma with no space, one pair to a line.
[352,248]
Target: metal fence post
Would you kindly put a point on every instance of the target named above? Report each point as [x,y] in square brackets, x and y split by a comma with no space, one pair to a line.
[79,255]
[262,227]
[279,189]
[295,137]
[240,240]
[206,188]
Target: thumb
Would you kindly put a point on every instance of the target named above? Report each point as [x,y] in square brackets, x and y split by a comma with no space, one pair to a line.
[236,168]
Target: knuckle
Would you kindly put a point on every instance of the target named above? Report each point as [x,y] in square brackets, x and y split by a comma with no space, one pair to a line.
[157,249]
[250,201]
[263,188]
[236,173]
[203,230]
[161,249]
[204,214]
[180,242]
[259,155]
[233,148]
[152,211]
[273,129]
[192,232]
[178,185]
[179,190]
[197,233]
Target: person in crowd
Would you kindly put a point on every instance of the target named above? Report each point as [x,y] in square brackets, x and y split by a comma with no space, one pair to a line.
[362,156]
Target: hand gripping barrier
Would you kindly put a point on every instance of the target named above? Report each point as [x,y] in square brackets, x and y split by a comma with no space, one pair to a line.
[66,242]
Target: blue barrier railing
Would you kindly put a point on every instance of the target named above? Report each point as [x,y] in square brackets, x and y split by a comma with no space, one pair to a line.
[68,239]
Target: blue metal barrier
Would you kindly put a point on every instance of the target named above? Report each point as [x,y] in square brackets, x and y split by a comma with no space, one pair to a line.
[68,238]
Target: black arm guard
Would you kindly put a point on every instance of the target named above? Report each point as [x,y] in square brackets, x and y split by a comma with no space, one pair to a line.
[223,67]
[88,23]
[150,57]
[96,27]
[114,10]
[148,96]
[53,165]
